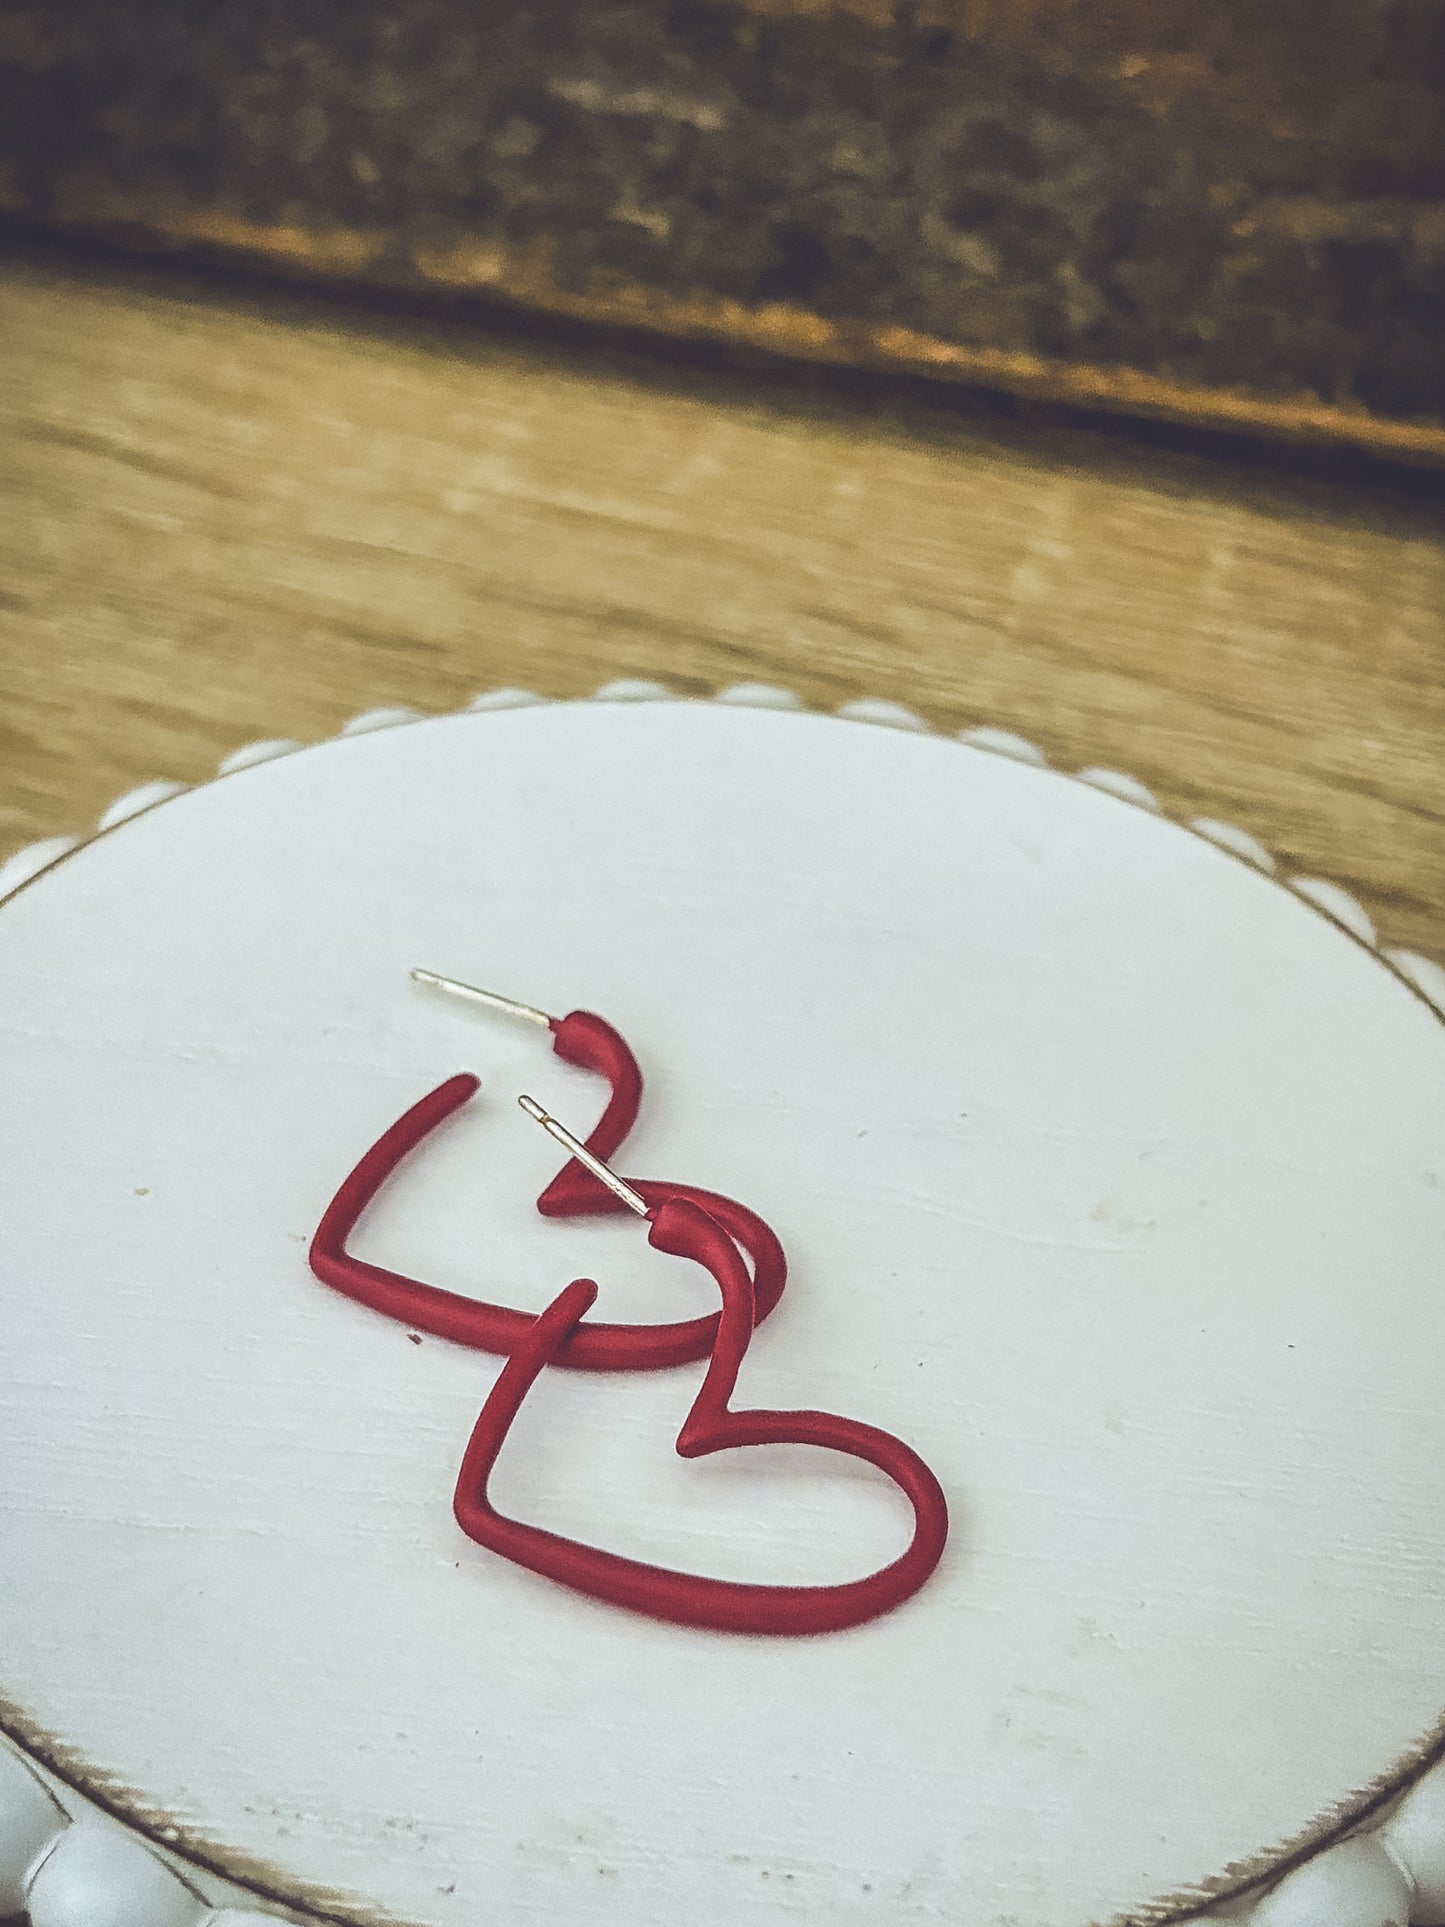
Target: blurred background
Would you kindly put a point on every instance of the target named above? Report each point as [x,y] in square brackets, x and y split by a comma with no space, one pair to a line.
[1072,367]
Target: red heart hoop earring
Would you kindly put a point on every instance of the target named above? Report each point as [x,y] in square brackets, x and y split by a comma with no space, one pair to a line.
[680,1226]
[592,1044]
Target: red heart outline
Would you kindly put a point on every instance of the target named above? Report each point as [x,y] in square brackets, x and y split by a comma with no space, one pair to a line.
[722,1605]
[592,1044]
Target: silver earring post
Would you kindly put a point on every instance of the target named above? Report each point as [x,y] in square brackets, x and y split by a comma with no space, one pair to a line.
[619,1187]
[471,995]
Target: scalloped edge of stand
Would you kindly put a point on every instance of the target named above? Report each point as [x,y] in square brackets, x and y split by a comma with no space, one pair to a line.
[1422,975]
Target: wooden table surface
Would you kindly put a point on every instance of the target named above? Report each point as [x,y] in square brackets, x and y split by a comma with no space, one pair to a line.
[231,511]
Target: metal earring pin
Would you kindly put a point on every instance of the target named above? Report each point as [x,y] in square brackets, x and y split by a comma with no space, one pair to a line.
[470,994]
[619,1187]
[591,1044]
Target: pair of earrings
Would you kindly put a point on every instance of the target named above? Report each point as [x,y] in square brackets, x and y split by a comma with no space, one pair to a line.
[712,1231]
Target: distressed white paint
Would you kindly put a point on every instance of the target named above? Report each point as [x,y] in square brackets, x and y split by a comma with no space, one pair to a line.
[1004,742]
[1355,1884]
[1424,973]
[97,1876]
[30,861]
[759,695]
[373,719]
[1229,836]
[1117,783]
[1112,1175]
[30,1824]
[504,699]
[1336,903]
[876,709]
[106,1876]
[250,754]
[1415,1835]
[134,801]
[632,689]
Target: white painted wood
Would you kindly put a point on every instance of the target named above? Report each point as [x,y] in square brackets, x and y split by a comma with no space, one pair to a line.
[250,754]
[30,861]
[1336,903]
[30,1823]
[1117,783]
[1112,1177]
[504,699]
[759,695]
[1426,975]
[136,800]
[1415,1835]
[1229,836]
[97,1876]
[374,719]
[875,709]
[632,689]
[1354,1884]
[1004,742]
[36,1809]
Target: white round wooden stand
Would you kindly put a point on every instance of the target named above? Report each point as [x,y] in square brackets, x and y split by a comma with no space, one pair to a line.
[1111,1166]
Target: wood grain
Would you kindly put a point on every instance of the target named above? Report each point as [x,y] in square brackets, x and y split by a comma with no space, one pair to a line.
[1216,213]
[229,512]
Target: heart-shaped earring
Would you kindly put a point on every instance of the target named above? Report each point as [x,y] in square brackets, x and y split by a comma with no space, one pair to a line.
[682,1227]
[592,1044]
